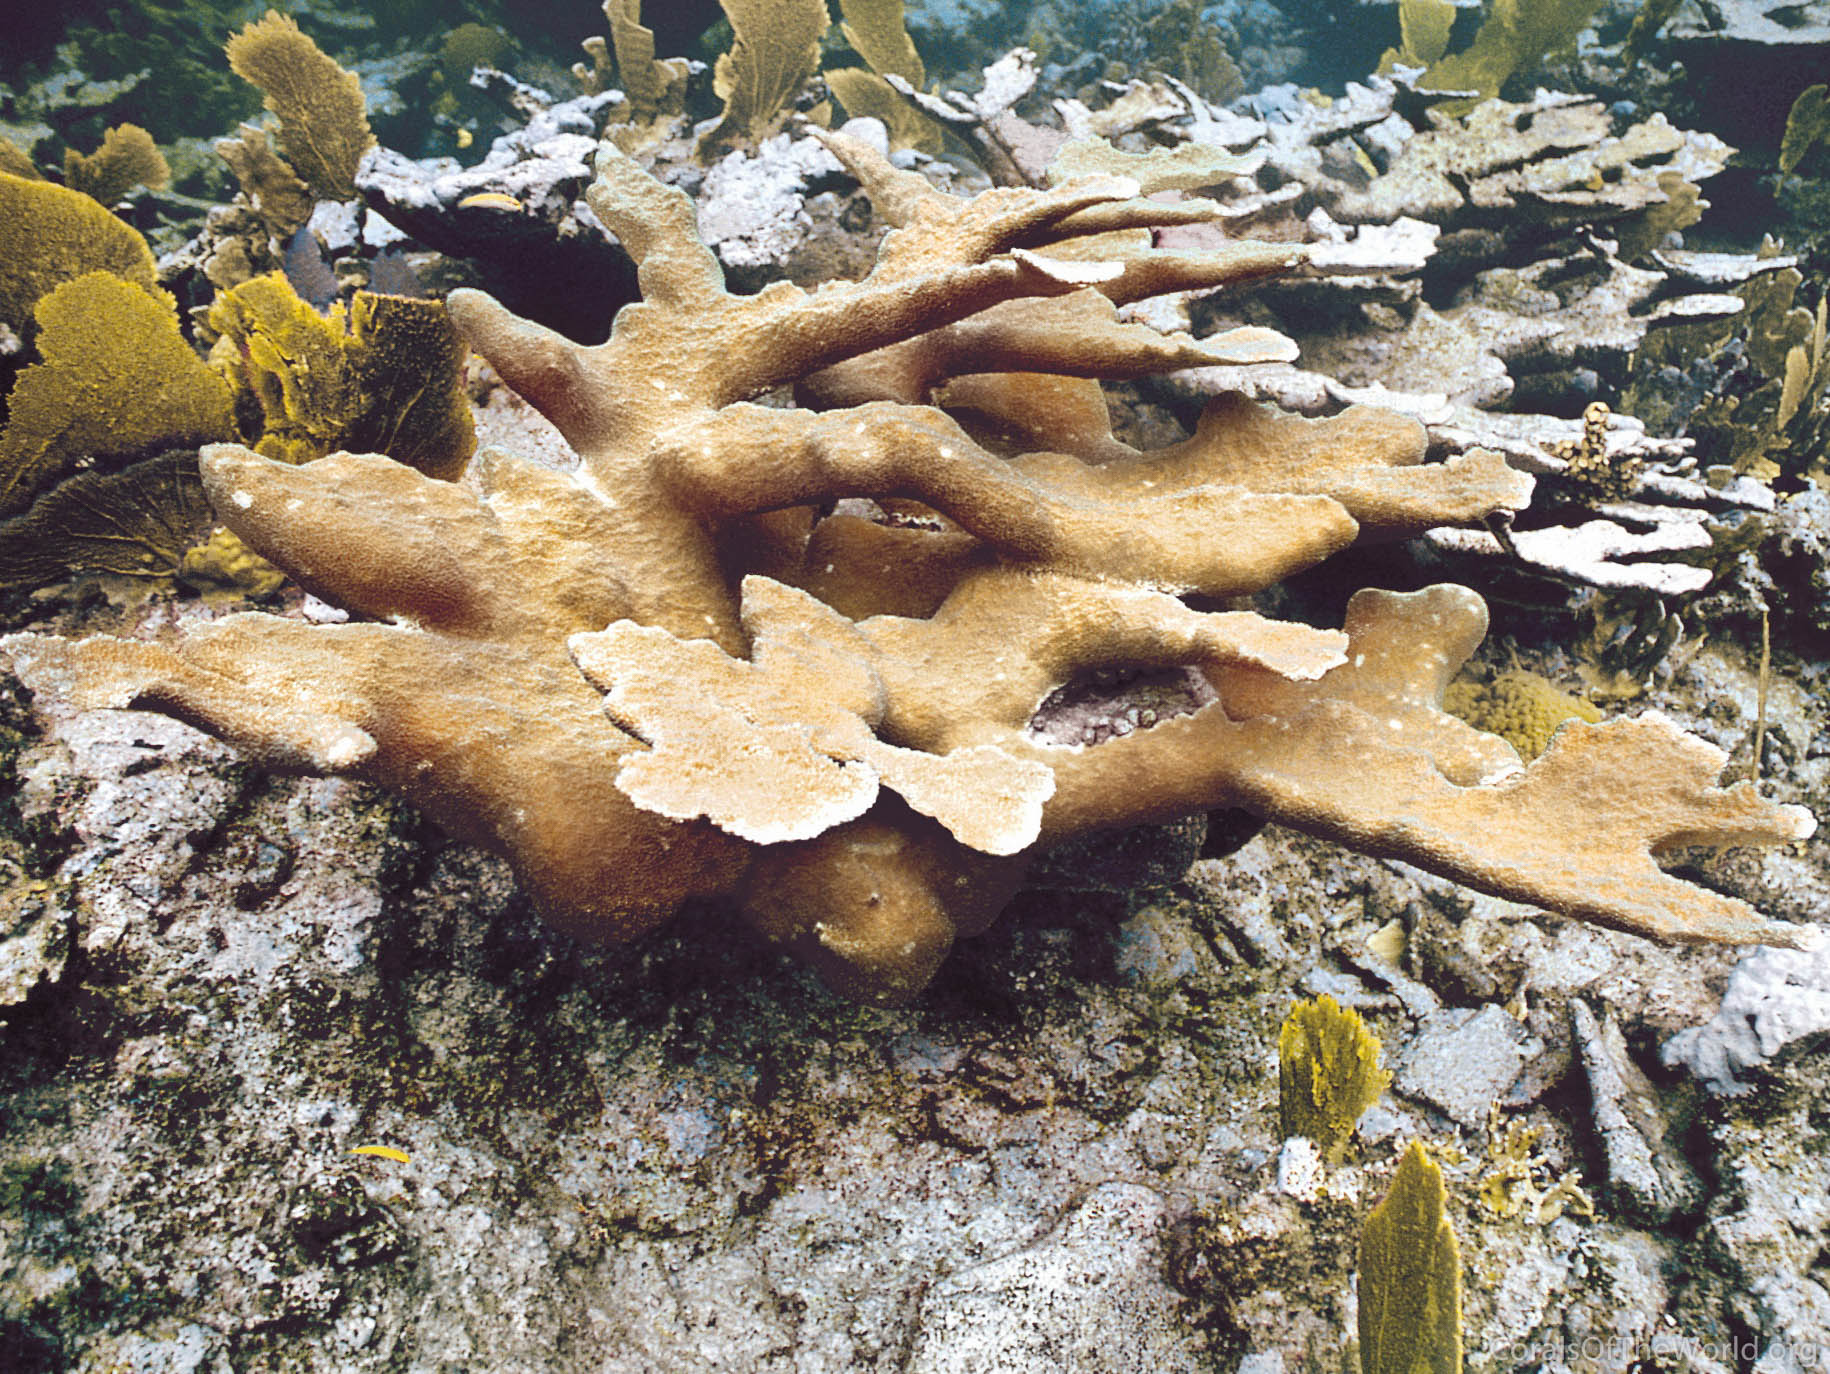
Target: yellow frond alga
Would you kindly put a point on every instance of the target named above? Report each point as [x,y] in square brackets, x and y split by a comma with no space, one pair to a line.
[127,158]
[650,84]
[15,162]
[776,53]
[1807,124]
[382,377]
[877,33]
[118,389]
[1328,1074]
[1514,34]
[1410,1276]
[1423,26]
[50,234]
[116,379]
[324,121]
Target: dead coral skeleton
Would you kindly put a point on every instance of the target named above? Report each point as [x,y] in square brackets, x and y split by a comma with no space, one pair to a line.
[1523,261]
[542,167]
[827,718]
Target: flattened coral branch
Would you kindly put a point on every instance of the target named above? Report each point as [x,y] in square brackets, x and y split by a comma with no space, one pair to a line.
[899,196]
[203,684]
[440,721]
[782,747]
[1068,336]
[1157,273]
[548,370]
[1114,227]
[1009,638]
[1576,832]
[1404,648]
[933,228]
[690,346]
[521,562]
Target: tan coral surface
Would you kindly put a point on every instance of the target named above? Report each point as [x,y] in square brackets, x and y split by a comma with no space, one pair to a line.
[633,682]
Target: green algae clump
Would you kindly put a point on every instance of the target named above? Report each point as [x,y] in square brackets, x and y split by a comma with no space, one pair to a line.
[268,182]
[470,46]
[117,389]
[1523,708]
[1423,33]
[222,560]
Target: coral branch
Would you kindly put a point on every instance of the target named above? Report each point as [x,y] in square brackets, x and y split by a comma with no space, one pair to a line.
[781,747]
[1008,639]
[520,563]
[1215,540]
[446,724]
[1369,460]
[1072,336]
[657,228]
[545,367]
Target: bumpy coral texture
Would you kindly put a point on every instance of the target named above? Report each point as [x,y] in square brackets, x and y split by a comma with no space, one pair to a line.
[698,667]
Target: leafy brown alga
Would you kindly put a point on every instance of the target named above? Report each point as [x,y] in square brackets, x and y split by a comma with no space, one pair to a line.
[98,466]
[1328,1074]
[790,655]
[382,374]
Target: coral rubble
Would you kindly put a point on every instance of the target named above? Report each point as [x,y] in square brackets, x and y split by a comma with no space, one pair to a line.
[781,654]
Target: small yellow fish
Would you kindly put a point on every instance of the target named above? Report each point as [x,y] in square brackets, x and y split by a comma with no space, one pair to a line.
[490,200]
[465,138]
[385,1151]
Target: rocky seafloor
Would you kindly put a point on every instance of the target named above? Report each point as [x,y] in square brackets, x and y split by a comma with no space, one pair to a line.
[685,1155]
